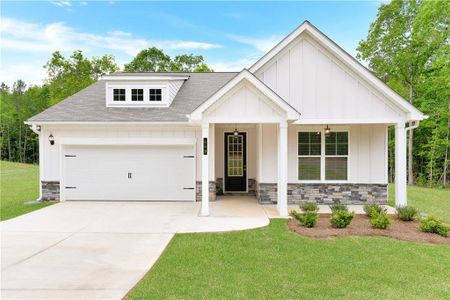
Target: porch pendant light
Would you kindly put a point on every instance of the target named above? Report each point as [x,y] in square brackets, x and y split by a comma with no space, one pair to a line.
[327,130]
[235,132]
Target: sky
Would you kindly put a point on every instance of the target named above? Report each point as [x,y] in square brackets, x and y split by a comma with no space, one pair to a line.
[229,35]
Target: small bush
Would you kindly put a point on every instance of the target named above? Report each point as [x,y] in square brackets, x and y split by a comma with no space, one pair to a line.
[309,207]
[380,221]
[373,209]
[341,218]
[295,214]
[432,224]
[336,207]
[308,219]
[406,213]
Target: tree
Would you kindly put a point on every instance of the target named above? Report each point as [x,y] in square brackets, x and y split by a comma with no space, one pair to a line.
[397,55]
[155,60]
[68,76]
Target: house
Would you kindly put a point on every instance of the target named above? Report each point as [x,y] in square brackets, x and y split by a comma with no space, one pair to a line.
[306,122]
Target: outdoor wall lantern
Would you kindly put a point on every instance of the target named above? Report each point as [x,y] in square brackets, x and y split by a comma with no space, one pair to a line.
[235,132]
[327,130]
[51,139]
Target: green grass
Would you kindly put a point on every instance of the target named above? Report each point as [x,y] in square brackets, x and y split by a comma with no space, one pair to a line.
[432,201]
[19,184]
[274,263]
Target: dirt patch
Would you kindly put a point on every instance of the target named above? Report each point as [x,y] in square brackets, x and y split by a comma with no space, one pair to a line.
[401,230]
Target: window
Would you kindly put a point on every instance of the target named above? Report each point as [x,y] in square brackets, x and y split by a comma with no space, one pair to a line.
[119,95]
[155,94]
[137,95]
[313,164]
[336,156]
[309,155]
[235,155]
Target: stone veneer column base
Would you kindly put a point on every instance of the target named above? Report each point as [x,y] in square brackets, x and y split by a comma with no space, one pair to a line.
[50,190]
[325,193]
[212,191]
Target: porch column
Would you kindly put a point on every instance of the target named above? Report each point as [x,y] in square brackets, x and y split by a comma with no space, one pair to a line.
[205,170]
[282,169]
[400,165]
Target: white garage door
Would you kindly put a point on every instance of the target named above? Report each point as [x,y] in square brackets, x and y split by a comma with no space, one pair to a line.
[158,173]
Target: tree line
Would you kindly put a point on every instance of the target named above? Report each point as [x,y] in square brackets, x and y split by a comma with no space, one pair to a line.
[407,47]
[65,77]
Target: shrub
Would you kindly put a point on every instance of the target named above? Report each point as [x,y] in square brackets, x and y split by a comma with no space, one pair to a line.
[380,221]
[336,207]
[433,225]
[295,214]
[341,218]
[372,209]
[309,207]
[406,213]
[308,219]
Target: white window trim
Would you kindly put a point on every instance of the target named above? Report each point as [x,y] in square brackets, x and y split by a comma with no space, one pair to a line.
[323,156]
[129,103]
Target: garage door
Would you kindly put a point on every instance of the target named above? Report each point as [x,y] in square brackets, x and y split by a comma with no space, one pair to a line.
[136,173]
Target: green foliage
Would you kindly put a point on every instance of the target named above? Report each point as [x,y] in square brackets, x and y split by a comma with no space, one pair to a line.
[406,213]
[337,207]
[309,207]
[155,60]
[373,209]
[308,218]
[407,47]
[341,218]
[380,221]
[433,224]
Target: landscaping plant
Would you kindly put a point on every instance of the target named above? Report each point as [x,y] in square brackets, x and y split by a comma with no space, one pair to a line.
[341,218]
[406,213]
[337,207]
[433,224]
[309,207]
[372,209]
[380,221]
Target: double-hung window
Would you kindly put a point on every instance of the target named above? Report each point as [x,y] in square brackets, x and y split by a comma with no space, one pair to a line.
[309,155]
[322,157]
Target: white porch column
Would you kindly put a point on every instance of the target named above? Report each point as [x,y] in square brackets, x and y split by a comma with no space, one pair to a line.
[400,165]
[205,170]
[282,169]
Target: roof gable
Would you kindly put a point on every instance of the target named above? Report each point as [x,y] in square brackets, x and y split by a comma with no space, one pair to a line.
[247,88]
[307,30]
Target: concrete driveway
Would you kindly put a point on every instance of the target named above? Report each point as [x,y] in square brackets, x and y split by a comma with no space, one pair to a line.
[100,250]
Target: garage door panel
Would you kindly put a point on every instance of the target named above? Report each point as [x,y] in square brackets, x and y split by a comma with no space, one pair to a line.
[130,173]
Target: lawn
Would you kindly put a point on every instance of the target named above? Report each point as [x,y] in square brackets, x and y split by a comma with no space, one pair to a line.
[19,184]
[427,200]
[272,262]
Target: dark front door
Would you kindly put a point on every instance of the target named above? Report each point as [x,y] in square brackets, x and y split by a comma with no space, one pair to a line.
[235,162]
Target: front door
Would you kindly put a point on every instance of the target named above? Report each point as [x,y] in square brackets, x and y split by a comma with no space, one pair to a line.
[235,162]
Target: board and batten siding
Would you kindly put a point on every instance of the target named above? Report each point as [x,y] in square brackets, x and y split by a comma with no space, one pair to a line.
[320,86]
[51,153]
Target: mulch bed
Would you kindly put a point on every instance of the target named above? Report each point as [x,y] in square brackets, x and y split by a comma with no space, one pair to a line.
[401,230]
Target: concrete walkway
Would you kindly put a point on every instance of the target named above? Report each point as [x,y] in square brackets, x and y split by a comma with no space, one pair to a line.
[100,250]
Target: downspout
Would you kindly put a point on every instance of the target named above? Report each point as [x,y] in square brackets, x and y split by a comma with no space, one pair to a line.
[411,127]
[37,129]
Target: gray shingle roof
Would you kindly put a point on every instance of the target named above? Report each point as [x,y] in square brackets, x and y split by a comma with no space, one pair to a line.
[89,104]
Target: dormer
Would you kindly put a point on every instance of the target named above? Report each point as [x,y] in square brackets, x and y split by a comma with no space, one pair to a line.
[142,89]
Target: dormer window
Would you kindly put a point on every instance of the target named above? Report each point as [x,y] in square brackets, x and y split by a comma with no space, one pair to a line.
[155,94]
[119,95]
[137,94]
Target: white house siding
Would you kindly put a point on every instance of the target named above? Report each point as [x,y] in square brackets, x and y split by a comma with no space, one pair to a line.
[51,154]
[321,87]
[367,160]
[174,86]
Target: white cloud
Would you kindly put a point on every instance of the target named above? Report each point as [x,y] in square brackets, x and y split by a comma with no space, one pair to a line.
[61,3]
[25,46]
[263,44]
[31,37]
[232,66]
